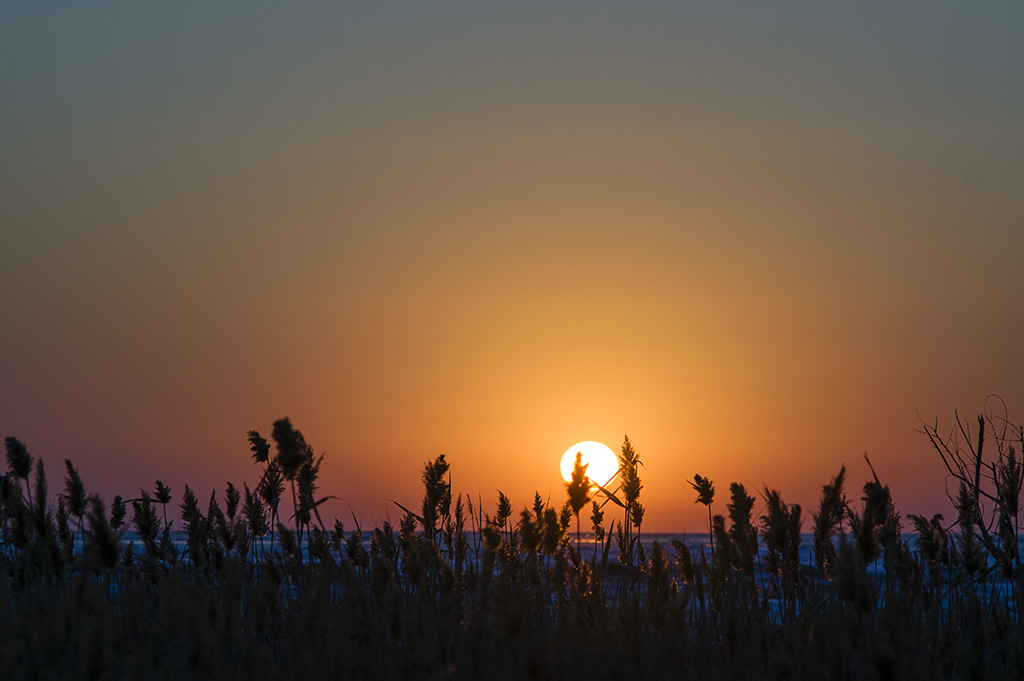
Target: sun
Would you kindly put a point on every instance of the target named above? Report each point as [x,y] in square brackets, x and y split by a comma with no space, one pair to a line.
[602,464]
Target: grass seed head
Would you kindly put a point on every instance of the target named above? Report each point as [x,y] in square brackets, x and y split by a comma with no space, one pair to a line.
[74,491]
[19,461]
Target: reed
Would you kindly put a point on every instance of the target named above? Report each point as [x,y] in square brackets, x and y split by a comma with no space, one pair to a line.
[453,593]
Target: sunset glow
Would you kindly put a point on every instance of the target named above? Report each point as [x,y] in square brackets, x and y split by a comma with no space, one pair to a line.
[761,242]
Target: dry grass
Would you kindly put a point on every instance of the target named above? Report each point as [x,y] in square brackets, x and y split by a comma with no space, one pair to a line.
[456,593]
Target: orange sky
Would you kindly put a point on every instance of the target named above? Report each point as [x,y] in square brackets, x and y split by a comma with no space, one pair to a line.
[761,243]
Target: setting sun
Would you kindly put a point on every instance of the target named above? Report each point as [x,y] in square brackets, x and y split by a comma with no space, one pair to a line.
[602,464]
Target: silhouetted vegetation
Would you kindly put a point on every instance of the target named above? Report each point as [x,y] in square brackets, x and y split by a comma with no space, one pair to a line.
[454,592]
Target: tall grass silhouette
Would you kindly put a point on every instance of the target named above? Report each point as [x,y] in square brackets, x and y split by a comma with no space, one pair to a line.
[246,591]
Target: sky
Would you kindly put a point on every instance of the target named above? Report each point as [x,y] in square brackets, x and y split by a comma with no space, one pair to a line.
[761,239]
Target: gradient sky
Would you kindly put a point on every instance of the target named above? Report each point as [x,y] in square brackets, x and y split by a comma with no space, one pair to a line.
[760,238]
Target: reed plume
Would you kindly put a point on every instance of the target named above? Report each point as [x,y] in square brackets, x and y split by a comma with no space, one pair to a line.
[828,520]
